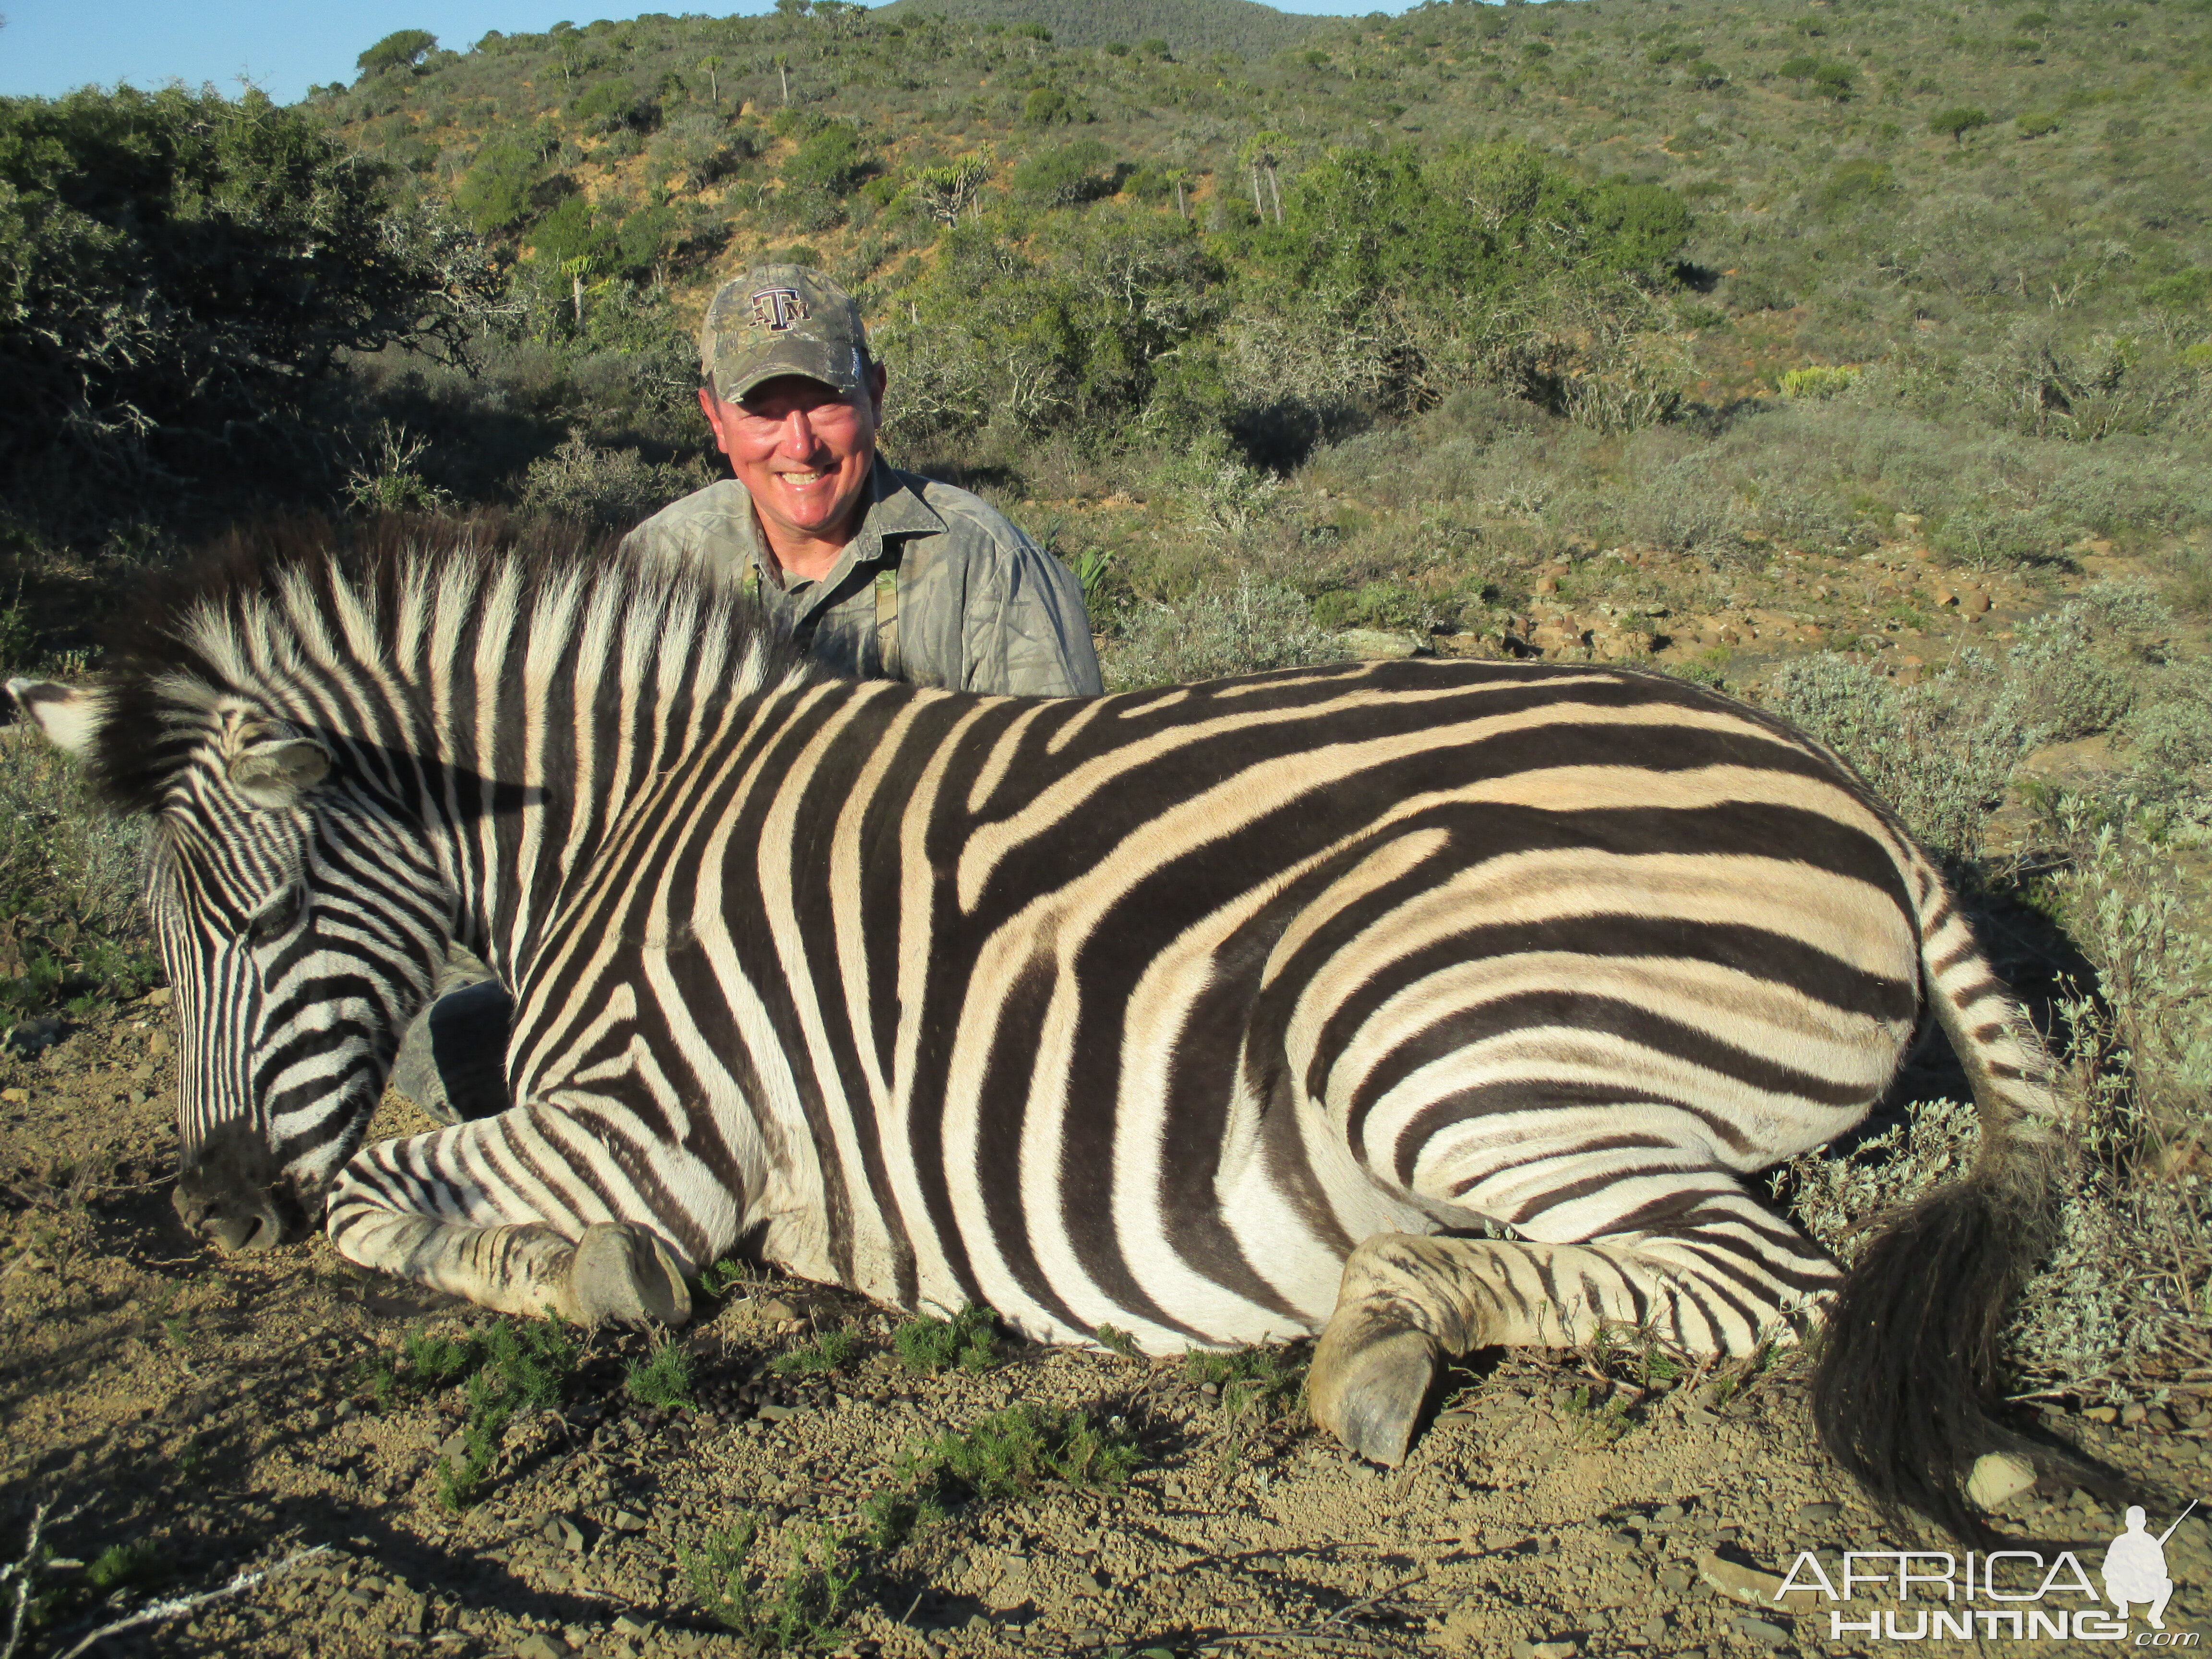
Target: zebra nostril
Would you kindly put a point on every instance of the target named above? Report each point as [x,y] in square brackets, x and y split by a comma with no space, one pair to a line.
[233,1234]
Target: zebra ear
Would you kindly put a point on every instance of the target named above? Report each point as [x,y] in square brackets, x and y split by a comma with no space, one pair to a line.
[278,772]
[70,715]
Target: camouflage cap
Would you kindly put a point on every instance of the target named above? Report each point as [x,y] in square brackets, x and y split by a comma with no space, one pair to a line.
[782,319]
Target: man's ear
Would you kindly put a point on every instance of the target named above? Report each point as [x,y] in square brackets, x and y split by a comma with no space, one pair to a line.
[878,378]
[276,772]
[68,715]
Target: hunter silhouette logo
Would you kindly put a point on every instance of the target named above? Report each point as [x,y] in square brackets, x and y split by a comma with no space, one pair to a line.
[2134,1568]
[777,309]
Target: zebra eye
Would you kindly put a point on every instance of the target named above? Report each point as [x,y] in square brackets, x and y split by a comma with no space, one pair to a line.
[278,917]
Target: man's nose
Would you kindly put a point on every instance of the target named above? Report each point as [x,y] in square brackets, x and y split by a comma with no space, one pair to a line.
[799,435]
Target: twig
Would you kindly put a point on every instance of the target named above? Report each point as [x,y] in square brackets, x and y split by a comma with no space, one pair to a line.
[176,1607]
[20,1571]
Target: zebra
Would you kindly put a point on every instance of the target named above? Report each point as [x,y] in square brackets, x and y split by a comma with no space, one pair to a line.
[1417,1007]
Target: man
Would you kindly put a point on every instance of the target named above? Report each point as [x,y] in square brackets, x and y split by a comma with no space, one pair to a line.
[877,573]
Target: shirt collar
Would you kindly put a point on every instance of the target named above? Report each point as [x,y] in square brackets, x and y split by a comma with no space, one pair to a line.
[895,510]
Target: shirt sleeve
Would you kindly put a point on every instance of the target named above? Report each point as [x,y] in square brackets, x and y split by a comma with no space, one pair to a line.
[1028,632]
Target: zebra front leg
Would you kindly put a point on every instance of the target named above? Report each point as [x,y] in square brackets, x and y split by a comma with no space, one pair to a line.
[423,1209]
[616,1270]
[1408,1301]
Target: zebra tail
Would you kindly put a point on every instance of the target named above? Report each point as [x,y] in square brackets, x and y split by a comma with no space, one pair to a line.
[1908,1382]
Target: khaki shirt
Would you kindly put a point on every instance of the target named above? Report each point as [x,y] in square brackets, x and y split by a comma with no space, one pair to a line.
[976,605]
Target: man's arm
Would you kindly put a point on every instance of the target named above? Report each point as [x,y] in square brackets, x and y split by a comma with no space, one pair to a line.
[1032,636]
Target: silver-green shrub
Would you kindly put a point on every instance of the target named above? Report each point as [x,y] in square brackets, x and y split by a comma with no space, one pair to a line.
[1235,631]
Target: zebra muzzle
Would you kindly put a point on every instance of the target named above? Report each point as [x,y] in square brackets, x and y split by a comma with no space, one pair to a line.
[233,1194]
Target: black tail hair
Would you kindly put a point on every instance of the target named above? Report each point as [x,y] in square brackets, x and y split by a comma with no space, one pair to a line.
[1908,1379]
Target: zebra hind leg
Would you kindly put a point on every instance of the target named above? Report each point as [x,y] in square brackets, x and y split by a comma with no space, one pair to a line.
[1408,1301]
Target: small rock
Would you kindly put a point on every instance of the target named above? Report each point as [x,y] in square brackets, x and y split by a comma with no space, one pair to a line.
[1377,644]
[543,1647]
[2132,1415]
[158,997]
[1741,1583]
[1818,1514]
[776,1413]
[2101,1415]
[1997,1477]
[1674,1580]
[1667,1514]
[564,1533]
[624,1520]
[1763,1632]
[32,1037]
[626,1626]
[15,1097]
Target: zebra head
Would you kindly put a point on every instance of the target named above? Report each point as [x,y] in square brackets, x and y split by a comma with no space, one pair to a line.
[300,917]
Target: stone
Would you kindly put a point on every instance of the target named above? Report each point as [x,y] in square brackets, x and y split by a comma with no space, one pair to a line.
[1764,1632]
[159,997]
[1819,1514]
[1740,1581]
[624,1520]
[1674,1580]
[1997,1477]
[32,1037]
[543,1647]
[775,1310]
[15,1097]
[1377,644]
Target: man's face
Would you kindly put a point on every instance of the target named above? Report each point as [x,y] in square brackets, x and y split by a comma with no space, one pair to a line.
[803,451]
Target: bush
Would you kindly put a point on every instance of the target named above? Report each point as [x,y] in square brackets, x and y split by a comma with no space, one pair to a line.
[1955,123]
[182,269]
[613,488]
[830,162]
[615,106]
[1818,380]
[1243,630]
[1066,176]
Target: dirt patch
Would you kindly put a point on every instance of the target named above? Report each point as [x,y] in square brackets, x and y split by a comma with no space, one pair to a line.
[206,1414]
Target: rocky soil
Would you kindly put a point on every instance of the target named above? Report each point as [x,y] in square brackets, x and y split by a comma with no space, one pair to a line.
[187,1416]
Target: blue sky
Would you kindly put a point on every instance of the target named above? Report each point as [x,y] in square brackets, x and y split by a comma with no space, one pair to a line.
[50,46]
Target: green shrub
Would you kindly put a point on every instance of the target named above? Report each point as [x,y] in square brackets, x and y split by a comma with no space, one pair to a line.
[966,1340]
[1956,123]
[1245,630]
[2031,123]
[829,1351]
[613,488]
[663,1378]
[802,1611]
[1074,172]
[1818,380]
[1012,1453]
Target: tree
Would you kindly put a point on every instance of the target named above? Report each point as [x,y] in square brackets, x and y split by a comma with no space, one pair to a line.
[494,195]
[401,49]
[180,269]
[945,192]
[1956,123]
[712,64]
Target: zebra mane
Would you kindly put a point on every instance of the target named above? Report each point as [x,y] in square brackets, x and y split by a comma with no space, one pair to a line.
[276,605]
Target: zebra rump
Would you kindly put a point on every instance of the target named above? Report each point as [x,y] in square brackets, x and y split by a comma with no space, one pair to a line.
[1421,1006]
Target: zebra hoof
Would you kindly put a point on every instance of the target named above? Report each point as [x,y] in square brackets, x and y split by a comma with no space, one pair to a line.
[1369,1379]
[624,1273]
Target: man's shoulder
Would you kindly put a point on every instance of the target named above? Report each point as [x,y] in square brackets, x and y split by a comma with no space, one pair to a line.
[971,524]
[702,516]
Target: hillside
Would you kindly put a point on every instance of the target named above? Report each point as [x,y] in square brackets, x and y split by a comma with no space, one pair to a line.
[1190,27]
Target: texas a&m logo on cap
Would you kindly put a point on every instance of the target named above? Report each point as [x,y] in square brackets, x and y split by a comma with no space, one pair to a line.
[777,309]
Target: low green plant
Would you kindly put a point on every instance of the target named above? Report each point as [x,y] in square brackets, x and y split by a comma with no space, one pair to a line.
[967,1340]
[1250,1380]
[828,1351]
[525,1366]
[720,1278]
[1015,1452]
[124,1567]
[802,1611]
[1114,1340]
[662,1378]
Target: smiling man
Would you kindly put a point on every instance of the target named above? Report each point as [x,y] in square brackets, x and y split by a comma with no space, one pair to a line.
[877,572]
